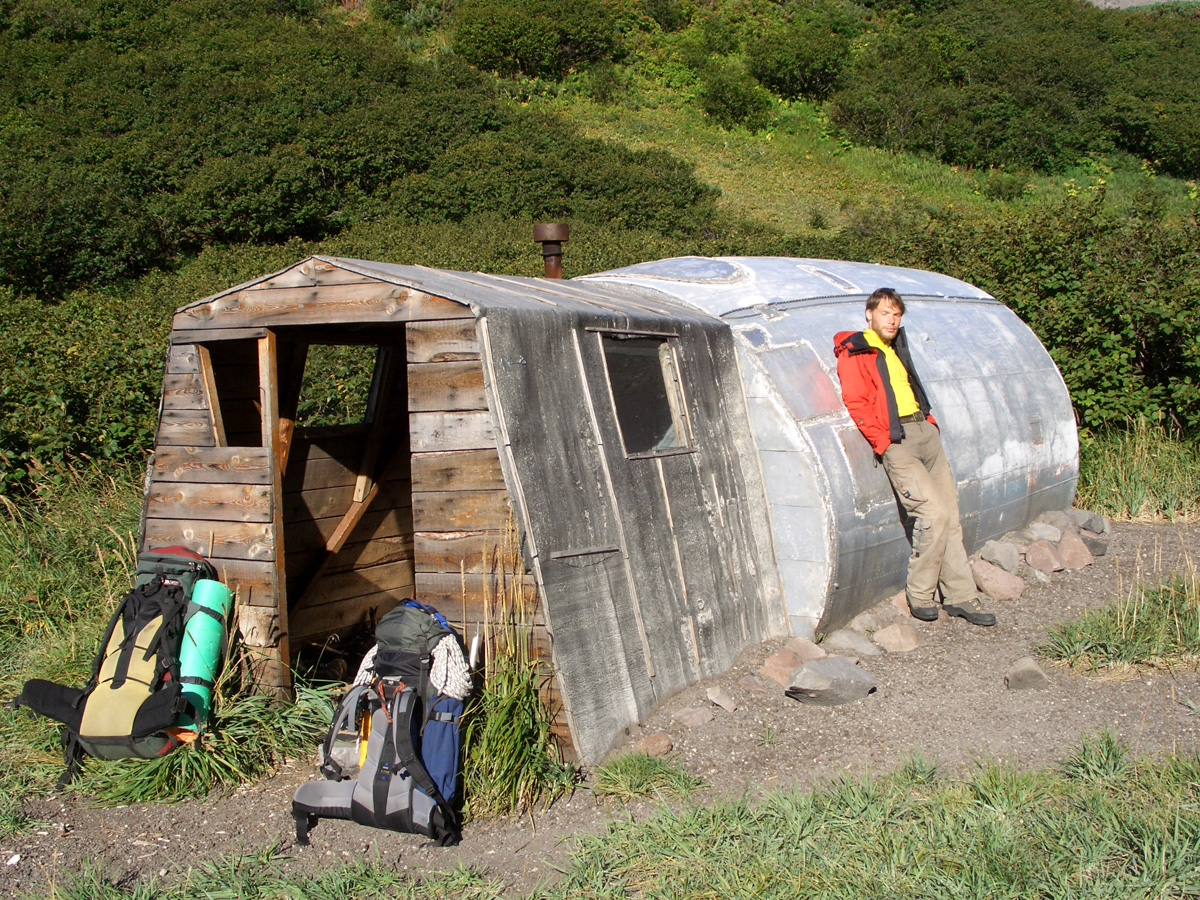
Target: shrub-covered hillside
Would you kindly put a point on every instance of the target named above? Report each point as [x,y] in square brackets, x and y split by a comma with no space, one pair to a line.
[154,151]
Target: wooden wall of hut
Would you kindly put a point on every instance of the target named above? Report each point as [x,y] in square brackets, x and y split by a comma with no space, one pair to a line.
[320,530]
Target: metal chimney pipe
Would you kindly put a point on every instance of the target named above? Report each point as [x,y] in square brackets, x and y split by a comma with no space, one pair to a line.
[552,235]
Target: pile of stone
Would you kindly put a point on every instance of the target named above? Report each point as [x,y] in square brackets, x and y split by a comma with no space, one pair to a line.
[1053,542]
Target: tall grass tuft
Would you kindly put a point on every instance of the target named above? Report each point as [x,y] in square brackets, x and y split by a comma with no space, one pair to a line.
[1144,472]
[511,760]
[1156,626]
[632,775]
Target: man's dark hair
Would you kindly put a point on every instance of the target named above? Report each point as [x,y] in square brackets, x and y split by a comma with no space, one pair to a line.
[884,293]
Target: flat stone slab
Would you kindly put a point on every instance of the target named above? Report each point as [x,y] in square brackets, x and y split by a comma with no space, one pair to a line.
[780,666]
[995,582]
[850,643]
[694,716]
[721,698]
[1043,556]
[900,637]
[1040,531]
[1003,554]
[1060,519]
[830,682]
[1026,675]
[1096,545]
[864,623]
[1089,521]
[1074,552]
[751,683]
[805,649]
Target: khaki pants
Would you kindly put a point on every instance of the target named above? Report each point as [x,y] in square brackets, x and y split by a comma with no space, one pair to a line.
[922,480]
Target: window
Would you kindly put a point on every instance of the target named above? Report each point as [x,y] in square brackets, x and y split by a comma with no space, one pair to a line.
[336,385]
[644,379]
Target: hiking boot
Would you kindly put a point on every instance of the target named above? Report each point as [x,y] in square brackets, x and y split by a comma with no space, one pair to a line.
[924,613]
[971,611]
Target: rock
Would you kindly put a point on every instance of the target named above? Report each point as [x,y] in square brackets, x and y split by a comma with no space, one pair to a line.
[750,683]
[805,649]
[851,642]
[898,638]
[1043,557]
[1026,675]
[721,698]
[1073,551]
[900,601]
[864,623]
[1040,576]
[1003,554]
[1019,539]
[1040,531]
[830,682]
[694,716]
[1089,521]
[659,744]
[996,582]
[1059,519]
[1096,545]
[780,666]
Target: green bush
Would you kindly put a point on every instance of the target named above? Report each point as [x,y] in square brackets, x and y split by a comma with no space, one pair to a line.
[533,37]
[731,97]
[804,58]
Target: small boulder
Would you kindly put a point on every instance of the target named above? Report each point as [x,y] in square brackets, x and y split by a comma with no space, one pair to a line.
[1089,521]
[1040,577]
[849,642]
[1043,557]
[805,649]
[996,582]
[658,744]
[721,698]
[1059,519]
[694,716]
[1026,675]
[750,683]
[864,623]
[1073,551]
[898,638]
[900,602]
[1003,554]
[779,666]
[830,682]
[1096,545]
[1040,531]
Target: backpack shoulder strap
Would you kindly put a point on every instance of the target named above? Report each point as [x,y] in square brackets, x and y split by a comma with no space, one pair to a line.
[343,717]
[408,758]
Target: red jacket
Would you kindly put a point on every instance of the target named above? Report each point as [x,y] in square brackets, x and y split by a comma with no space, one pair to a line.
[867,389]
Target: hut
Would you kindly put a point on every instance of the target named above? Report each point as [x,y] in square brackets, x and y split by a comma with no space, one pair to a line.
[668,438]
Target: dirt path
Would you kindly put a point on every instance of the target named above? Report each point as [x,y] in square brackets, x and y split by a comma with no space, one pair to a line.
[946,699]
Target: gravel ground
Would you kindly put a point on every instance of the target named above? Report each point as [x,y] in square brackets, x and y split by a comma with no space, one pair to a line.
[946,699]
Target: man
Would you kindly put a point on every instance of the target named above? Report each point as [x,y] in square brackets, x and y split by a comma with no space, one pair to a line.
[885,399]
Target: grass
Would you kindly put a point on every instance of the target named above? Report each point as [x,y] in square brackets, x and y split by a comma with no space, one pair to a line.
[998,832]
[635,775]
[1145,473]
[1152,626]
[510,758]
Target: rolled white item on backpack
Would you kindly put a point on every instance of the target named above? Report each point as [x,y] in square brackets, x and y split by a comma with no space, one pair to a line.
[475,641]
[449,672]
[366,669]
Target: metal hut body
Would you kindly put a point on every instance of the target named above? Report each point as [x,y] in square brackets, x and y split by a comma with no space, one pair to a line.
[669,439]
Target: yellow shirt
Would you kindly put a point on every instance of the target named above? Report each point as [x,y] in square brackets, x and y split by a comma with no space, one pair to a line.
[906,401]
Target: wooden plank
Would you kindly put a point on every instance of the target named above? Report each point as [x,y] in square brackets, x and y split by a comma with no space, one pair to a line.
[311,273]
[185,428]
[430,431]
[233,382]
[386,578]
[259,572]
[276,674]
[182,360]
[459,470]
[213,465]
[219,502]
[460,510]
[369,302]
[183,392]
[216,540]
[212,399]
[309,534]
[200,334]
[457,551]
[442,341]
[359,553]
[446,386]
[322,503]
[449,592]
[317,622]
